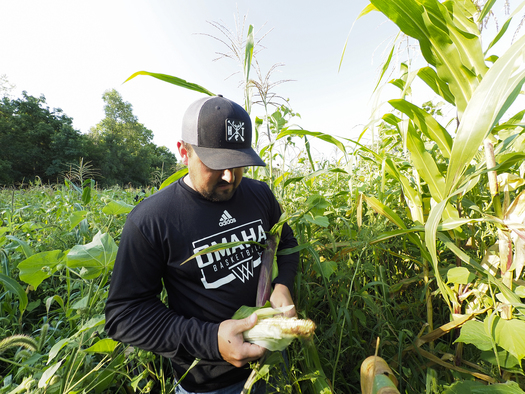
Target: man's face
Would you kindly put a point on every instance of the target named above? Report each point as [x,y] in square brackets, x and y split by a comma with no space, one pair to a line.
[214,185]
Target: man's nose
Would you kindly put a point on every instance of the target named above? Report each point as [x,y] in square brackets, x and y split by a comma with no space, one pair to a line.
[228,175]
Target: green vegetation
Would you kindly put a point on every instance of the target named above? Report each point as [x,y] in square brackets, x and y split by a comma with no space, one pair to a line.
[416,239]
[40,144]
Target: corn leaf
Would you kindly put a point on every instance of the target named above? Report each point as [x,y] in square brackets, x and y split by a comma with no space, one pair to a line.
[494,95]
[222,246]
[317,134]
[172,178]
[428,125]
[173,80]
[440,87]
[505,26]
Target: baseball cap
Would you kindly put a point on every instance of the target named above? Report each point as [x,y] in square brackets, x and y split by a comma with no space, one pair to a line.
[220,132]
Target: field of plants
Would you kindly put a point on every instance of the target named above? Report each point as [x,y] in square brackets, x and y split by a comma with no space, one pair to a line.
[412,245]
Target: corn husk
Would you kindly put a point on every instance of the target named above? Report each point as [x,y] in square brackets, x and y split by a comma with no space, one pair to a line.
[275,332]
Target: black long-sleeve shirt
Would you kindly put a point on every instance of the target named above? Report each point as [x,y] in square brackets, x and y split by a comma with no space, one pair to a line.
[159,235]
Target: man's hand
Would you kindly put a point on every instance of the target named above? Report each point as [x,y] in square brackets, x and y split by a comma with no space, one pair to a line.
[281,297]
[231,342]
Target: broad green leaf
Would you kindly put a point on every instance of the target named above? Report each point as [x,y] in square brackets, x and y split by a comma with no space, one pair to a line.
[463,387]
[174,177]
[14,287]
[504,359]
[96,256]
[460,275]
[117,208]
[75,218]
[318,220]
[106,346]
[493,96]
[173,80]
[473,332]
[40,266]
[427,124]
[510,335]
[326,269]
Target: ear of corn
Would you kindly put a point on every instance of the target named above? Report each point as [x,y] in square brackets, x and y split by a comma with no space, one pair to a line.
[275,333]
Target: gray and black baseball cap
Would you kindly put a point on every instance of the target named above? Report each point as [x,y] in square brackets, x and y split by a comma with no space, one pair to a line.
[220,132]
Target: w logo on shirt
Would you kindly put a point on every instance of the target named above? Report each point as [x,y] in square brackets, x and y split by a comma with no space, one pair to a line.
[244,271]
[226,219]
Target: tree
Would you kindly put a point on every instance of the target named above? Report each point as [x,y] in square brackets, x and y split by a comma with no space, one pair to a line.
[35,141]
[123,147]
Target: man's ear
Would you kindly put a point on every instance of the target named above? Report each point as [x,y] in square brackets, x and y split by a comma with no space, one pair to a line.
[183,152]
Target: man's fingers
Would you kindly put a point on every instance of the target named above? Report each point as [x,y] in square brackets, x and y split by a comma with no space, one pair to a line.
[231,342]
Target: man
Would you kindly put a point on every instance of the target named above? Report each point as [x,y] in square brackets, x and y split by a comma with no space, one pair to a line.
[212,204]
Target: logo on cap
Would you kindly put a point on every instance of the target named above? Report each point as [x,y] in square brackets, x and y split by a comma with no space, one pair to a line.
[234,131]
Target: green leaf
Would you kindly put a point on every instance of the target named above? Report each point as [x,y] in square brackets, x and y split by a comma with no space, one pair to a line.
[14,287]
[505,26]
[473,332]
[75,218]
[173,80]
[510,335]
[493,96]
[486,9]
[23,244]
[56,348]
[48,374]
[427,124]
[117,208]
[95,321]
[504,359]
[96,256]
[105,346]
[448,40]
[460,275]
[317,134]
[326,268]
[40,266]
[321,221]
[425,165]
[440,87]
[248,55]
[382,209]
[174,177]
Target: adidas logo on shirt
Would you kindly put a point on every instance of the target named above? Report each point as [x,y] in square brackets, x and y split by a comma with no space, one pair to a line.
[226,219]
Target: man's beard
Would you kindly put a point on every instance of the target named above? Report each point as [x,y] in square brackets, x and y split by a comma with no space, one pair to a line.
[215,196]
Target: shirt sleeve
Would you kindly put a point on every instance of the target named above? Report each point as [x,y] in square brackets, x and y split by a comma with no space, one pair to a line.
[135,314]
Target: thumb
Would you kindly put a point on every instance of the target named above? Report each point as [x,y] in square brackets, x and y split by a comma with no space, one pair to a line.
[250,321]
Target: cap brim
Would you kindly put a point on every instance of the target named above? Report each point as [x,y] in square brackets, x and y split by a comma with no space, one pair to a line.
[221,159]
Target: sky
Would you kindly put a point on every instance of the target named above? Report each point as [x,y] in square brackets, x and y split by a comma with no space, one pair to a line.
[73,51]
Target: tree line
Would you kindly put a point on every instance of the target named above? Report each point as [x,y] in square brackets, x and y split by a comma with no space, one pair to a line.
[37,142]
